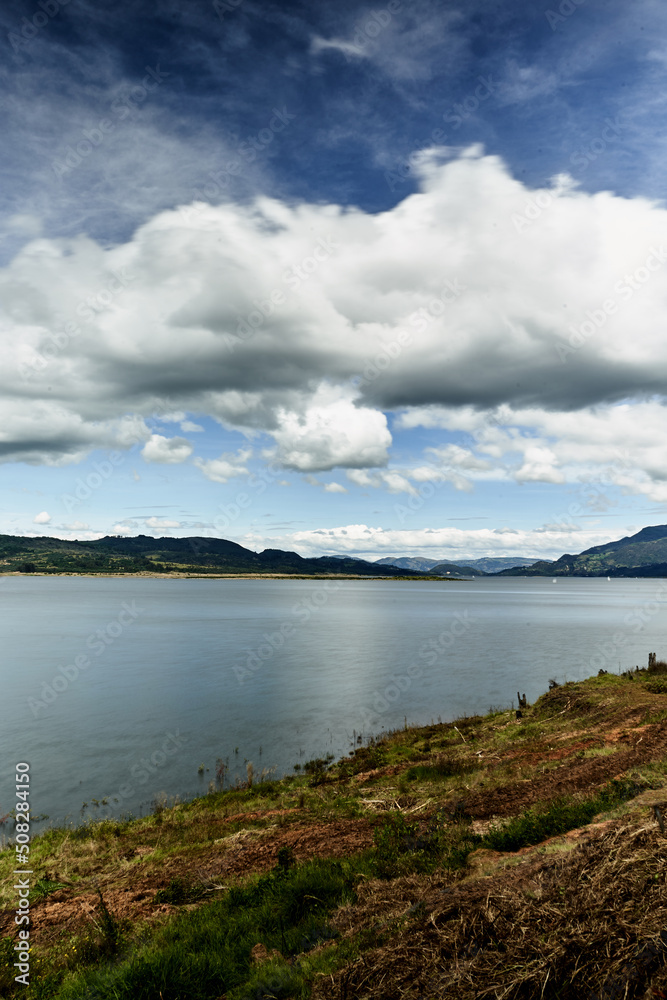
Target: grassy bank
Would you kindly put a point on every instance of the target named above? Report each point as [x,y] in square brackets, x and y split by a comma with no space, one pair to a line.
[489,857]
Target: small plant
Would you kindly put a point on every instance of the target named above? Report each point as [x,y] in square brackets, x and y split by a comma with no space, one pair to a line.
[44,886]
[317,768]
[108,927]
[201,769]
[286,859]
[179,892]
[220,772]
[393,838]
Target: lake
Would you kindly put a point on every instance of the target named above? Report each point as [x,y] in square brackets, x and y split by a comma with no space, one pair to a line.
[121,688]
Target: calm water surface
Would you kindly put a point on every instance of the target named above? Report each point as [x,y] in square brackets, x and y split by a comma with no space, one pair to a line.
[182,672]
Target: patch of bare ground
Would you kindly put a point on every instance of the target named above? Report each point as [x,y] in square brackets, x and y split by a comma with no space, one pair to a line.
[646,745]
[579,917]
[129,892]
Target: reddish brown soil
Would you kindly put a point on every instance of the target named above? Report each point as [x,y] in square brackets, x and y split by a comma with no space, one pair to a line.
[649,743]
[131,894]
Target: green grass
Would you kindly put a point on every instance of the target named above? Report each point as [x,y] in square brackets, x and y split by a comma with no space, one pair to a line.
[442,769]
[561,815]
[206,952]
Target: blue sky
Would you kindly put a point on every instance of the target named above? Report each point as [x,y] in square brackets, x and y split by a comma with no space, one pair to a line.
[338,278]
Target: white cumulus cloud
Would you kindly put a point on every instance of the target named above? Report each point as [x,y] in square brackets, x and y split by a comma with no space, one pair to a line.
[332,432]
[451,544]
[226,467]
[538,334]
[168,451]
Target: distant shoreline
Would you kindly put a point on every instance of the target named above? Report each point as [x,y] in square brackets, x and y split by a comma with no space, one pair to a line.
[239,576]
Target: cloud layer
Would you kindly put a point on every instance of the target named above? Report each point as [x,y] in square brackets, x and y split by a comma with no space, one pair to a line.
[310,322]
[449,544]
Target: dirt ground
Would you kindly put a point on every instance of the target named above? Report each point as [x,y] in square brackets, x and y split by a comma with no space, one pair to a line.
[645,743]
[535,770]
[131,895]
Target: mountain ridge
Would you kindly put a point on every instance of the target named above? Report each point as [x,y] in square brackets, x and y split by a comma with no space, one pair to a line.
[145,553]
[641,554]
[489,565]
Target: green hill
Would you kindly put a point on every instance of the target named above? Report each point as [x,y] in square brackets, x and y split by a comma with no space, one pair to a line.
[643,554]
[143,553]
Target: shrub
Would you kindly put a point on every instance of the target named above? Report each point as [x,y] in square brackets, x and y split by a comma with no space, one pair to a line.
[317,768]
[179,892]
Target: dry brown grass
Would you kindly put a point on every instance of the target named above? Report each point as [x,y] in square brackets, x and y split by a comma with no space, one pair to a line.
[588,922]
[581,916]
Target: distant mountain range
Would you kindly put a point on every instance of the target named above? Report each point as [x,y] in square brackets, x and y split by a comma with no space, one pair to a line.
[643,554]
[407,562]
[143,553]
[478,567]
